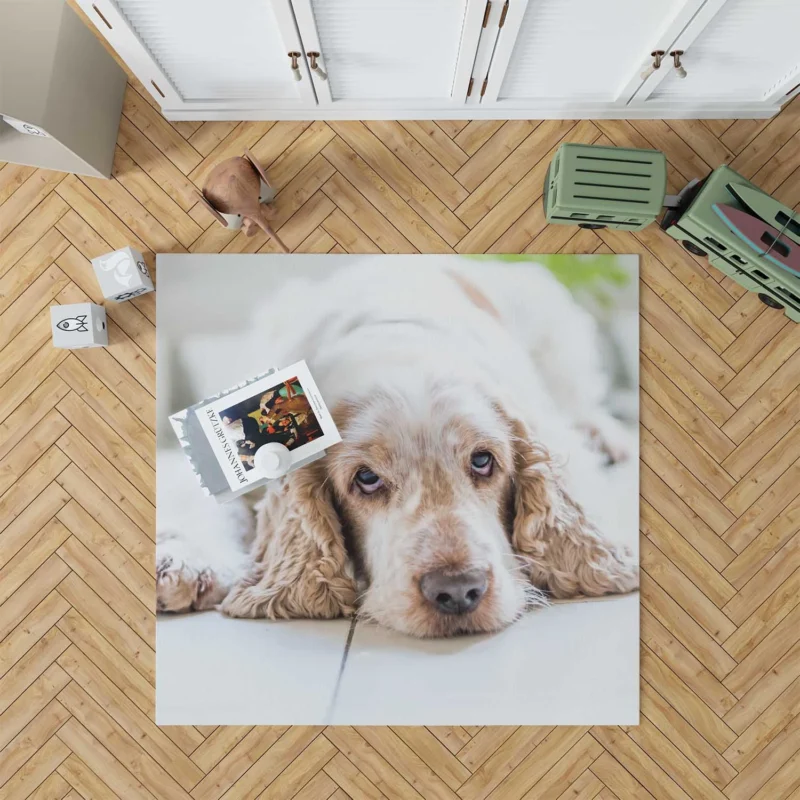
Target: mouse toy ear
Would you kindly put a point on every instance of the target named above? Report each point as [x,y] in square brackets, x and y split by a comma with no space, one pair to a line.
[214,213]
[257,167]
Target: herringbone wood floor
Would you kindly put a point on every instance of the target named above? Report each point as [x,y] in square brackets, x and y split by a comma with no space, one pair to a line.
[720,487]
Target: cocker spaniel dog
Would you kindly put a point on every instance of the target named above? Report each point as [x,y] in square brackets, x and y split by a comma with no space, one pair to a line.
[470,402]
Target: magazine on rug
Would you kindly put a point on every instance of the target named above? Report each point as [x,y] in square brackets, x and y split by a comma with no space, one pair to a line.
[456,540]
[284,407]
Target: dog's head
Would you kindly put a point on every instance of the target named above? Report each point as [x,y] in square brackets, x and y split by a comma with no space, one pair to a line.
[439,513]
[424,486]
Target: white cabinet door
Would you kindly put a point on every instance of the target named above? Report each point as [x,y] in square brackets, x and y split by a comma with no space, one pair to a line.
[561,53]
[748,50]
[206,53]
[390,53]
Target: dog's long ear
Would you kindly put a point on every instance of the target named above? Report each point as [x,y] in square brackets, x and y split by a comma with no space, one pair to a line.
[301,568]
[566,554]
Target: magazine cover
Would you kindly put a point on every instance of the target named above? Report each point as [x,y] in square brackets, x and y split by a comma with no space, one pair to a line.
[284,407]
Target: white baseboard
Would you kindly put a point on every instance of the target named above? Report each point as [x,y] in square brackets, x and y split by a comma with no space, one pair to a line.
[650,111]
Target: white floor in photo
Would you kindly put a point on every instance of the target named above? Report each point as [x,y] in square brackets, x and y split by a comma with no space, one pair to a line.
[548,668]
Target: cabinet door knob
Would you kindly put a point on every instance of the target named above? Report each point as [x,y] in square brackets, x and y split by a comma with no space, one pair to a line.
[296,74]
[676,60]
[657,56]
[315,68]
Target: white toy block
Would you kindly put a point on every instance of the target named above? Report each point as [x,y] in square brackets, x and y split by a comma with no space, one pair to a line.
[122,274]
[78,325]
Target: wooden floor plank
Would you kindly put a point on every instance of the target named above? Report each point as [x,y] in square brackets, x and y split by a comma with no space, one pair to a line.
[235,763]
[105,512]
[31,538]
[120,743]
[12,176]
[681,553]
[696,679]
[88,751]
[154,199]
[121,600]
[673,581]
[419,161]
[209,135]
[759,552]
[116,550]
[121,452]
[683,701]
[129,718]
[159,131]
[109,624]
[28,360]
[395,190]
[34,736]
[32,228]
[153,161]
[30,267]
[39,294]
[21,202]
[28,432]
[437,143]
[509,172]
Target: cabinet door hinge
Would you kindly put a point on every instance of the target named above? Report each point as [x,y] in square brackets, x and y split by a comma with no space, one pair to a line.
[486,13]
[503,15]
[469,88]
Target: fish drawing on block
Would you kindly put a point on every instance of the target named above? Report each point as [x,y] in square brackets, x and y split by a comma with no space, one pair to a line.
[77,324]
[761,237]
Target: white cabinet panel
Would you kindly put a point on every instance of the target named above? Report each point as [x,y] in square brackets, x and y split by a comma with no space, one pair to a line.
[393,51]
[580,50]
[206,52]
[748,51]
[415,59]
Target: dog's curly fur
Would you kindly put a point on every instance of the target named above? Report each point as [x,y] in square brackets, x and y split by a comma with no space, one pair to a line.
[300,566]
[423,368]
[567,555]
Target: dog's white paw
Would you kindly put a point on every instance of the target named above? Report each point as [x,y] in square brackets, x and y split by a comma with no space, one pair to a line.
[183,582]
[609,436]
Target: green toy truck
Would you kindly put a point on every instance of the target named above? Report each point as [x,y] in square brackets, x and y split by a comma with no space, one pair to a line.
[599,187]
[702,232]
[605,187]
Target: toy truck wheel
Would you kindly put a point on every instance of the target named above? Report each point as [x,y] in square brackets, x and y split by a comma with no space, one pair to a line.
[693,248]
[769,301]
[592,226]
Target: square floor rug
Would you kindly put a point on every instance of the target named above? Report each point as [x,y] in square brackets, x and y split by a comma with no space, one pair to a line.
[465,555]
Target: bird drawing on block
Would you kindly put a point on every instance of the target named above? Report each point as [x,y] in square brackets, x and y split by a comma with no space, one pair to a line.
[233,194]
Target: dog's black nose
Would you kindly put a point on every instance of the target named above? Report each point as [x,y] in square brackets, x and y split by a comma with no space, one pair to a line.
[454,594]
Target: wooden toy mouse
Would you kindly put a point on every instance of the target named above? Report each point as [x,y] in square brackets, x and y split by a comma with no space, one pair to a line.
[236,193]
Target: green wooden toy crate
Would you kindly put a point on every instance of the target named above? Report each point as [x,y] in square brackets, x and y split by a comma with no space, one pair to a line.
[701,231]
[605,187]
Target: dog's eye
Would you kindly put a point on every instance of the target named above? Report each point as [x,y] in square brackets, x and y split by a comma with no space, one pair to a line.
[482,462]
[368,481]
